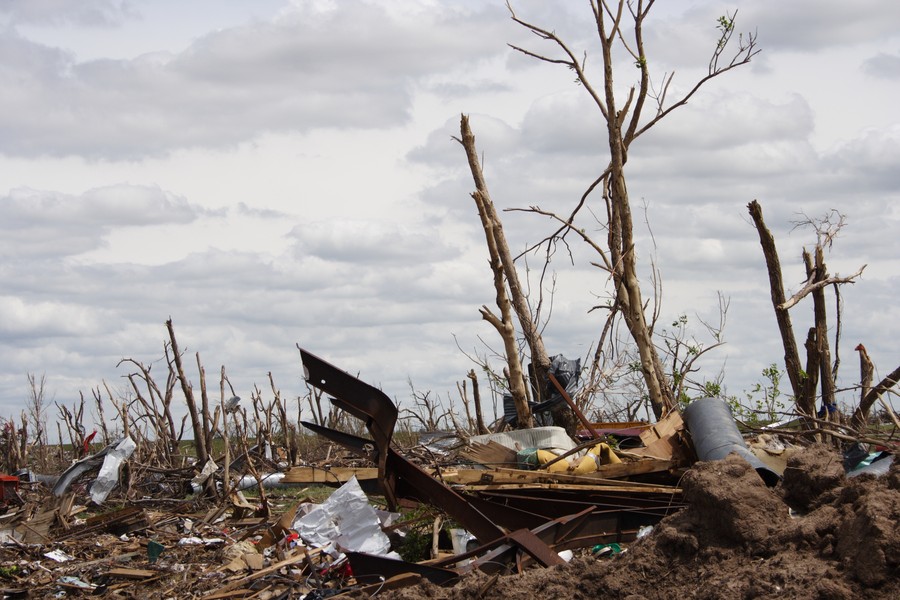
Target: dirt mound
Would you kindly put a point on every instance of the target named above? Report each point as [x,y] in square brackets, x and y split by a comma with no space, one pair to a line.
[737,539]
[811,474]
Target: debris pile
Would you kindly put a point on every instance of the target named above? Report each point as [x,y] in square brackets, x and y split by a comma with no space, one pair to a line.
[621,510]
[736,539]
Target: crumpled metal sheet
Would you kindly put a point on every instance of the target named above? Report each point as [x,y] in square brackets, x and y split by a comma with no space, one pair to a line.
[108,477]
[347,519]
[537,437]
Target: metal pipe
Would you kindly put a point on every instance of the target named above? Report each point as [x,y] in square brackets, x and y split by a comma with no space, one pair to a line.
[715,435]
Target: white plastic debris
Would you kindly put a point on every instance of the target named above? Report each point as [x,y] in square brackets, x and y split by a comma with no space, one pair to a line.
[232,405]
[108,476]
[644,531]
[208,469]
[77,583]
[269,480]
[462,541]
[59,556]
[347,519]
[197,541]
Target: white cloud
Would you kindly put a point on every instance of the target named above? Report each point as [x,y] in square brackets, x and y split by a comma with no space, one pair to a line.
[883,65]
[808,25]
[273,180]
[368,242]
[52,225]
[89,13]
[304,71]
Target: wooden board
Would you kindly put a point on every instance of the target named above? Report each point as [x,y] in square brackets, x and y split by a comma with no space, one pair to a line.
[605,475]
[674,491]
[490,454]
[662,440]
[304,475]
[132,573]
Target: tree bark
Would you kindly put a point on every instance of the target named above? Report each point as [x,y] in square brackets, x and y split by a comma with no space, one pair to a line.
[621,243]
[540,360]
[199,438]
[826,375]
[806,402]
[776,288]
[861,414]
[504,275]
[476,398]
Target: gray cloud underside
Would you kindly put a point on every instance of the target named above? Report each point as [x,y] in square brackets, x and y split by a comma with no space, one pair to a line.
[352,68]
[883,65]
[43,224]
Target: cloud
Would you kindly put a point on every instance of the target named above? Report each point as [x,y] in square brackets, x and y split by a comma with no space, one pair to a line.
[43,224]
[324,239]
[868,162]
[309,69]
[86,13]
[368,243]
[801,25]
[808,25]
[25,321]
[497,139]
[883,66]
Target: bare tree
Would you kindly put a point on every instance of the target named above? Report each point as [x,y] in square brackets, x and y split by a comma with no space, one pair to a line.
[506,284]
[36,405]
[868,394]
[197,419]
[818,372]
[620,28]
[428,411]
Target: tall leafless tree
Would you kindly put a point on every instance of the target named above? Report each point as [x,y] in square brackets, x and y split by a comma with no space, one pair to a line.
[620,28]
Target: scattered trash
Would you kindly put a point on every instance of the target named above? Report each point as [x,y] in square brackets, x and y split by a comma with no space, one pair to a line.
[59,556]
[644,531]
[227,526]
[74,582]
[877,464]
[154,551]
[346,520]
[197,541]
[606,549]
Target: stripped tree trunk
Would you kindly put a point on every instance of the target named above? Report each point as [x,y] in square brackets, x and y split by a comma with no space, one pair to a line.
[504,274]
[199,437]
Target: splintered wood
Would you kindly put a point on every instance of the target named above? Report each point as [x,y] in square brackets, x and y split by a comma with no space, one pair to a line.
[490,454]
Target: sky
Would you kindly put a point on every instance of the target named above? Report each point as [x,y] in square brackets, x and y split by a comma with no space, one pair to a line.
[274,173]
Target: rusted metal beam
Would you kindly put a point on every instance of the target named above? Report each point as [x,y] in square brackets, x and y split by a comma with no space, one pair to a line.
[399,477]
[368,568]
[573,406]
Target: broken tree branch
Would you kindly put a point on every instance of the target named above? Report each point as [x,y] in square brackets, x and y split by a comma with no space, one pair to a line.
[811,286]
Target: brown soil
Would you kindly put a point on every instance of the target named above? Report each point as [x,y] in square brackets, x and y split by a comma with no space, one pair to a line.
[817,535]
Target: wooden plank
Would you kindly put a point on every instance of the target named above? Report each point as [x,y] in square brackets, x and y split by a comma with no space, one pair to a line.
[393,583]
[117,558]
[662,439]
[491,454]
[292,560]
[665,490]
[605,474]
[334,475]
[229,594]
[132,573]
